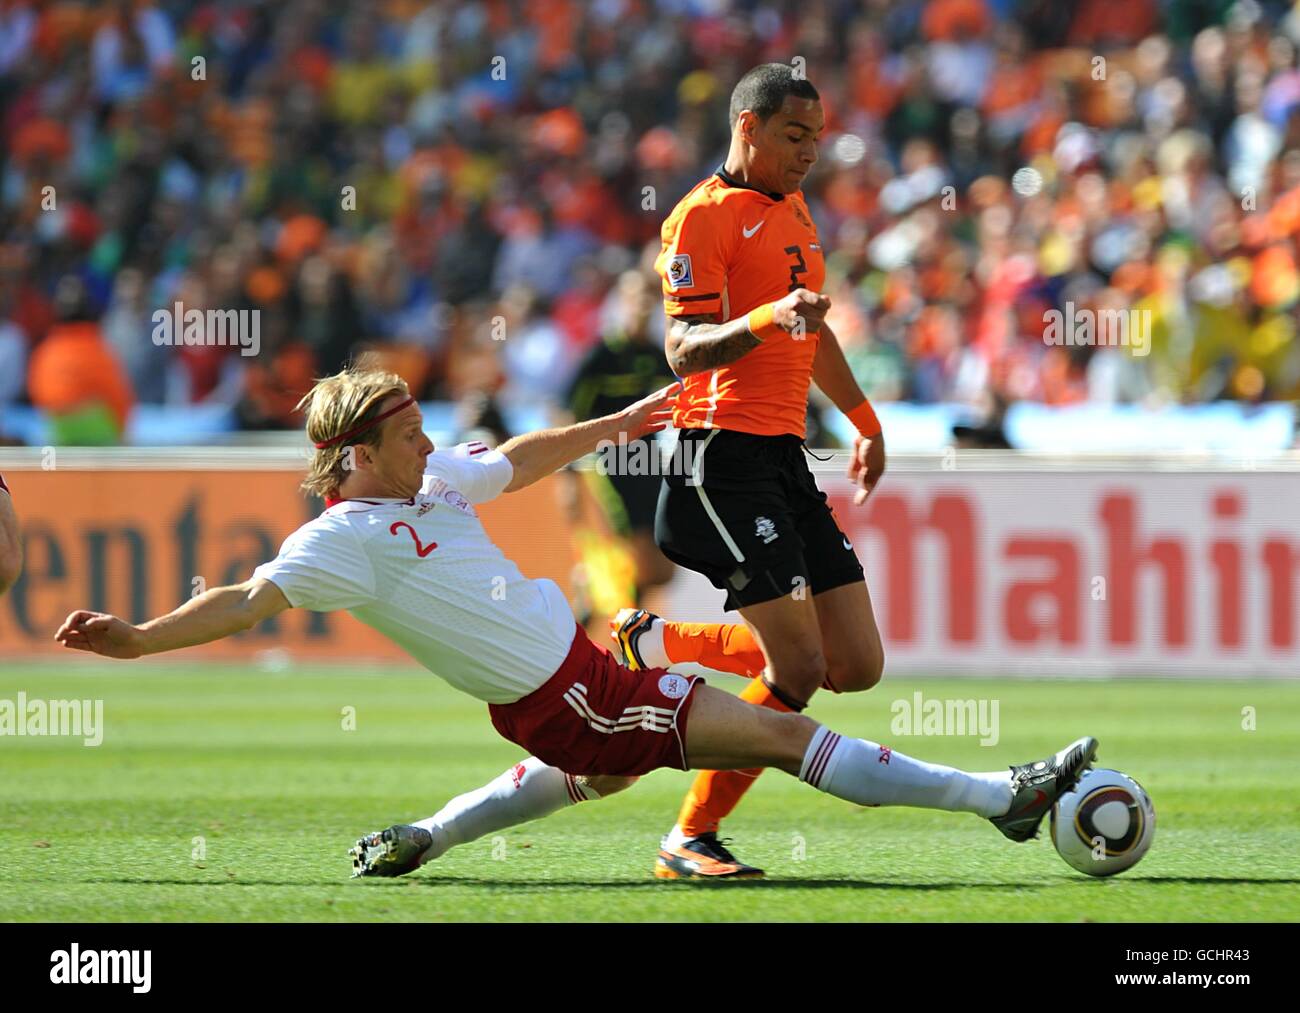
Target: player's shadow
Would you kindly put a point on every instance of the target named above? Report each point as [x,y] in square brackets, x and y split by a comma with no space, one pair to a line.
[548,885]
[541,885]
[839,884]
[544,885]
[1203,880]
[141,881]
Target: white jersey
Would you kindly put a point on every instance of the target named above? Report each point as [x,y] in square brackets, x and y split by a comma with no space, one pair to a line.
[424,573]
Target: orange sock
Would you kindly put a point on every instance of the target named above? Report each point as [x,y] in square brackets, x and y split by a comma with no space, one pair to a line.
[728,647]
[716,793]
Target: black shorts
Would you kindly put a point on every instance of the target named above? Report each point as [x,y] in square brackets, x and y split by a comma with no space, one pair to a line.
[749,516]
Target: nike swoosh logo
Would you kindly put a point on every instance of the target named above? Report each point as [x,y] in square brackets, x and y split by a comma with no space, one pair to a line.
[749,232]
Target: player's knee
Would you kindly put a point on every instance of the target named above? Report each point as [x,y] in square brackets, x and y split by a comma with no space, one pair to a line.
[798,673]
[862,673]
[604,785]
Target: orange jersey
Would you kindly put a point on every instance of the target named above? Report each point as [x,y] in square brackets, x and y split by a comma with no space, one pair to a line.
[728,248]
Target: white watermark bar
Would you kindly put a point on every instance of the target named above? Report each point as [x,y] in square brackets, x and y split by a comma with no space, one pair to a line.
[31,716]
[177,327]
[644,457]
[935,716]
[1099,328]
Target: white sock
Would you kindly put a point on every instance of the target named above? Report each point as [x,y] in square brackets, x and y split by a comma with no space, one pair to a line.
[650,645]
[871,774]
[527,791]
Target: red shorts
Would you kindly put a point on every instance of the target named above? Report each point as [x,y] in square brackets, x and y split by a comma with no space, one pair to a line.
[593,716]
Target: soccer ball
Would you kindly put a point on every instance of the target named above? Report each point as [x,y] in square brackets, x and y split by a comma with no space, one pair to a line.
[1105,824]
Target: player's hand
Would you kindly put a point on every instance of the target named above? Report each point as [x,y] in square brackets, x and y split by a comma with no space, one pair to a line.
[801,312]
[100,633]
[866,465]
[651,413]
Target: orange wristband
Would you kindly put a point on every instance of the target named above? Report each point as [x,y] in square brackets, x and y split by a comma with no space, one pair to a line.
[864,419]
[760,322]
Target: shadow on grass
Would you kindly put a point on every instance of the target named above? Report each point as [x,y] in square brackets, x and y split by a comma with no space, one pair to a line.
[151,881]
[749,884]
[1208,880]
[831,884]
[433,882]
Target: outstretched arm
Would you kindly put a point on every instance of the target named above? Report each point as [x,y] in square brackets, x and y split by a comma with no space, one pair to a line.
[536,455]
[215,614]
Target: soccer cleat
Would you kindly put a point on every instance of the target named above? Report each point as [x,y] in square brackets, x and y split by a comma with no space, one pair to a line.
[702,857]
[625,629]
[392,852]
[1035,787]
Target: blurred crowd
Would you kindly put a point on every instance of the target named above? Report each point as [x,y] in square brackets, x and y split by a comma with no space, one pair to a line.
[455,190]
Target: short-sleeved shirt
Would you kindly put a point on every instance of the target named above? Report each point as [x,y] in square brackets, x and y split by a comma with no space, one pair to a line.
[728,248]
[424,573]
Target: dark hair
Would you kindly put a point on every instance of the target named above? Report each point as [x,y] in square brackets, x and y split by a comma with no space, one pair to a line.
[763,91]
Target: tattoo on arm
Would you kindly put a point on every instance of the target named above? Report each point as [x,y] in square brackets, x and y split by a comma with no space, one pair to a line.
[696,344]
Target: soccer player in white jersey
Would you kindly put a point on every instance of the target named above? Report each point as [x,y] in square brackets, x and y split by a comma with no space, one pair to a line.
[401,547]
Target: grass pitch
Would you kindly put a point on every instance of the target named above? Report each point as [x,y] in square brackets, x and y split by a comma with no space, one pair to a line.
[225,794]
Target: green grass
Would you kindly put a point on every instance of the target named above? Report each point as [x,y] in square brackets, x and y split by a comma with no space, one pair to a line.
[258,765]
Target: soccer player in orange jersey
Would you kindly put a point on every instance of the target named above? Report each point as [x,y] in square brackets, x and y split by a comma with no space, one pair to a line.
[742,269]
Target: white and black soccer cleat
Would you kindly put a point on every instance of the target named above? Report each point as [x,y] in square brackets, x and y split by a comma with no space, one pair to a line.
[625,629]
[392,852]
[1035,787]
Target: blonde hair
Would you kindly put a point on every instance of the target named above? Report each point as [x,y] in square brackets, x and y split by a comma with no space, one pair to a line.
[335,405]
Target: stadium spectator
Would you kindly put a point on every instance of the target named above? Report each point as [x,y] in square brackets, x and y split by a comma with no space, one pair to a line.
[402,173]
[75,377]
[128,327]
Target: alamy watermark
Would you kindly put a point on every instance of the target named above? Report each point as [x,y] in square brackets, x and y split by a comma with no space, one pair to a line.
[75,966]
[82,719]
[919,716]
[1100,328]
[176,326]
[644,457]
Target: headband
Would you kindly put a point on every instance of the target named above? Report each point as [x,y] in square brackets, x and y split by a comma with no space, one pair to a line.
[357,430]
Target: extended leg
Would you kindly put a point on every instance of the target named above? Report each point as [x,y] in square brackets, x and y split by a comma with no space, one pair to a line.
[527,791]
[722,732]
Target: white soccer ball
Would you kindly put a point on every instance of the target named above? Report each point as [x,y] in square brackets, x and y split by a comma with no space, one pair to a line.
[1105,824]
